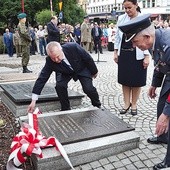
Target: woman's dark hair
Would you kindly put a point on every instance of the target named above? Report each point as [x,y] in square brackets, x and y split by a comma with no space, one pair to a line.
[133,2]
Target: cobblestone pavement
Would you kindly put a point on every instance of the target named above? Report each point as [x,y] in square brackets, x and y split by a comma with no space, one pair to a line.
[110,93]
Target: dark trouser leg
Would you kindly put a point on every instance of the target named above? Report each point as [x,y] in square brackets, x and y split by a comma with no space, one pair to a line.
[8,50]
[41,45]
[90,90]
[167,158]
[44,45]
[61,89]
[100,47]
[95,46]
[160,106]
[11,50]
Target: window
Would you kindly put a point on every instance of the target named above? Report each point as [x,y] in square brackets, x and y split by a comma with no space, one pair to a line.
[148,3]
[102,9]
[97,9]
[144,4]
[108,9]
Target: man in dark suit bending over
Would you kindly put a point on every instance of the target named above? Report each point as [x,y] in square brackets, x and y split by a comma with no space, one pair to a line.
[67,61]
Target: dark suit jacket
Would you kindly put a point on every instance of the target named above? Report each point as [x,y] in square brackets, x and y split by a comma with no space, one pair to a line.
[93,32]
[53,33]
[8,40]
[81,62]
[162,53]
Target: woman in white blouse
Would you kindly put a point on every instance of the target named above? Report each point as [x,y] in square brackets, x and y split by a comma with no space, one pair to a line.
[132,62]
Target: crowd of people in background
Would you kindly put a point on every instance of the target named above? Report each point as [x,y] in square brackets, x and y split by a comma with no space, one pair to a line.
[100,35]
[92,36]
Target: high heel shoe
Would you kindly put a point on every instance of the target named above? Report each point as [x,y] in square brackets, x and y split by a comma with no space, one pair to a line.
[133,112]
[123,111]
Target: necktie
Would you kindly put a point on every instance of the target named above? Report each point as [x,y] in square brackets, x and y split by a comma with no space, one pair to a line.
[66,66]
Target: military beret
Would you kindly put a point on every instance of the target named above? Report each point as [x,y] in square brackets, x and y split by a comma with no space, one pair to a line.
[86,16]
[135,25]
[22,15]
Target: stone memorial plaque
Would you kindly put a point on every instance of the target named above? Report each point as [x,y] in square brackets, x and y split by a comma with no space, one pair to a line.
[22,92]
[81,126]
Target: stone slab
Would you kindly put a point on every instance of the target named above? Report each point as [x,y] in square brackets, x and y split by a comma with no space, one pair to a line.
[20,109]
[21,92]
[16,77]
[81,126]
[17,97]
[85,151]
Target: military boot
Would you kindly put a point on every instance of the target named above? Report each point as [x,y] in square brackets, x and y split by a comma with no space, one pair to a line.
[25,70]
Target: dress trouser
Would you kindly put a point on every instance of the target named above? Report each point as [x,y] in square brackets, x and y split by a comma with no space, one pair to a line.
[167,158]
[97,44]
[86,45]
[160,106]
[88,88]
[10,50]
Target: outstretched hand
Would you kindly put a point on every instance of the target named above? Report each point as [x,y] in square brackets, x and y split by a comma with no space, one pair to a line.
[152,92]
[162,124]
[31,107]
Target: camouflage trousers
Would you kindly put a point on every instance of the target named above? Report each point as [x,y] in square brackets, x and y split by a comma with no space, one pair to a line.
[25,52]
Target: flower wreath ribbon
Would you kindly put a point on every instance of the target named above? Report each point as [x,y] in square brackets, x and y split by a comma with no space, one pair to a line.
[30,141]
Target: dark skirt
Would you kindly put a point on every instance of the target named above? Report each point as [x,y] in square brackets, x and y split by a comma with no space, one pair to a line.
[130,71]
[110,46]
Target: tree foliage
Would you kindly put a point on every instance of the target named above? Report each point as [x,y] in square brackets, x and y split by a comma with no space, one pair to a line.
[9,9]
[71,11]
[43,17]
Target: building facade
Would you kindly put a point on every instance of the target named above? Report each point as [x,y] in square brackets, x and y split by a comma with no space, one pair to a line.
[109,9]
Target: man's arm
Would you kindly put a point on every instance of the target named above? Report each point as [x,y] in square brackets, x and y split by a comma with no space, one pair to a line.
[24,32]
[31,107]
[40,83]
[157,79]
[162,124]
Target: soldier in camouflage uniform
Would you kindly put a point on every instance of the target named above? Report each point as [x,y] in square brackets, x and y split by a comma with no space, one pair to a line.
[25,42]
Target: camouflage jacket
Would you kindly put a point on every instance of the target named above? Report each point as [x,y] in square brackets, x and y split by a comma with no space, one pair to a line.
[24,34]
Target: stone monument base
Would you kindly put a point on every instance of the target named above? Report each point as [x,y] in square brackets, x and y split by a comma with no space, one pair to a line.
[111,136]
[21,109]
[17,97]
[88,151]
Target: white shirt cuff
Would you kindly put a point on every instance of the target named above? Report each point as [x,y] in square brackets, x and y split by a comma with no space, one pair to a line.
[34,96]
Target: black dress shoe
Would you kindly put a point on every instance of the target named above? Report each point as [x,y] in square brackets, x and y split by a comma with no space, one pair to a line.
[155,140]
[133,112]
[101,107]
[123,111]
[161,165]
